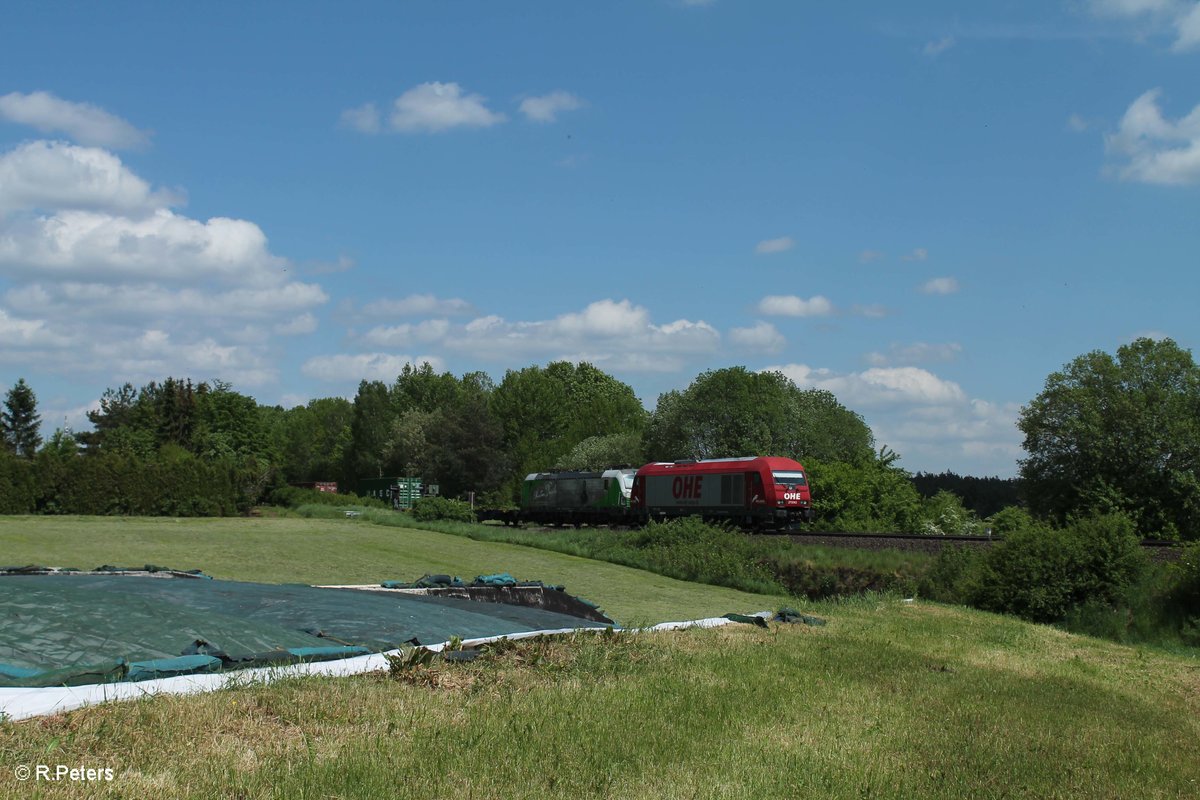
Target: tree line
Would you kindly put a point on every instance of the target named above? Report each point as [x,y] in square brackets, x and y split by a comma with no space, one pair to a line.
[1107,435]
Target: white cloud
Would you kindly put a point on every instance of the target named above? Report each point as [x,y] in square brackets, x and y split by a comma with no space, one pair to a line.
[918,254]
[83,122]
[779,245]
[162,245]
[1155,149]
[867,256]
[418,305]
[936,48]
[793,306]
[916,353]
[431,330]
[876,386]
[922,416]
[104,281]
[1077,123]
[364,119]
[1188,26]
[344,367]
[610,332]
[155,354]
[434,107]
[762,337]
[547,107]
[149,300]
[940,286]
[301,324]
[1180,17]
[40,175]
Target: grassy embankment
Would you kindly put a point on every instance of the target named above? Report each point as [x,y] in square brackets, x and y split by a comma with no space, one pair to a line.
[340,550]
[689,550]
[889,700]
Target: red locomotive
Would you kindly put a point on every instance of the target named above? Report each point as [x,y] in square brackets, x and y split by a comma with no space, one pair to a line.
[755,491]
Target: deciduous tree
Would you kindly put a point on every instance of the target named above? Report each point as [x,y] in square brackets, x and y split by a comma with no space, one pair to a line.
[1118,434]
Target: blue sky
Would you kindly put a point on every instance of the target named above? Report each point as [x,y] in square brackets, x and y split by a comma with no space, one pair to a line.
[923,207]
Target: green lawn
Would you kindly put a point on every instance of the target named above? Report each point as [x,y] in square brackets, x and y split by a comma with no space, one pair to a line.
[323,551]
[890,699]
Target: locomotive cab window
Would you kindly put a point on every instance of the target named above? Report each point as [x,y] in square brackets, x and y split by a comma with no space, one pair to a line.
[790,478]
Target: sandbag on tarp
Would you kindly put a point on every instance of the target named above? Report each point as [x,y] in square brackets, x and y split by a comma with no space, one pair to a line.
[61,624]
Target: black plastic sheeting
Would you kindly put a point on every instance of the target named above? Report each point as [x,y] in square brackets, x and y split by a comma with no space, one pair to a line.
[58,629]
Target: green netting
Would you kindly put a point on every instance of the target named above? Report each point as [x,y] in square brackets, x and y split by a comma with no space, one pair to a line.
[86,628]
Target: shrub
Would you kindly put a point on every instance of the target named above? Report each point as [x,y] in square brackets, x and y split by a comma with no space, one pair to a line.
[428,509]
[1042,575]
[944,515]
[953,574]
[692,550]
[1011,519]
[295,496]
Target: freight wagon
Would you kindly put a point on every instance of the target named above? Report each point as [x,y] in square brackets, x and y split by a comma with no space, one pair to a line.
[759,492]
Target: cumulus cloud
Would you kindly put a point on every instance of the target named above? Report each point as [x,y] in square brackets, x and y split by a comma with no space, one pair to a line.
[106,281]
[793,306]
[876,386]
[304,323]
[761,337]
[916,353]
[1155,149]
[435,107]
[768,246]
[41,175]
[418,305]
[924,417]
[162,245]
[83,122]
[616,334]
[347,367]
[547,107]
[157,353]
[940,286]
[431,330]
[152,300]
[1180,17]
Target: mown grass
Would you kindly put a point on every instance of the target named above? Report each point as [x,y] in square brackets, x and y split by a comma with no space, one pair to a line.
[889,700]
[340,550]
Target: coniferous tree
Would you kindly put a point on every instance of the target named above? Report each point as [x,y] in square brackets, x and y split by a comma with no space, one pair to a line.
[20,421]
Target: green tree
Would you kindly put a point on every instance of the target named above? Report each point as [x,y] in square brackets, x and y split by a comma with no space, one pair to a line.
[737,412]
[1118,435]
[603,452]
[311,441]
[544,412]
[873,496]
[20,421]
[370,428]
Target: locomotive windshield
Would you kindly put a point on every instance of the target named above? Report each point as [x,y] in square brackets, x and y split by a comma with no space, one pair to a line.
[790,478]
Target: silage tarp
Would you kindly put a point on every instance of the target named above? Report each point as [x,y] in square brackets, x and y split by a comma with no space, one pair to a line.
[64,629]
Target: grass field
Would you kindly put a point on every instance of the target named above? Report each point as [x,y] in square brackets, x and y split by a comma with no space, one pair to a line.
[889,700]
[323,551]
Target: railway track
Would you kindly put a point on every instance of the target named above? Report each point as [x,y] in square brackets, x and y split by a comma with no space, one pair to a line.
[1158,550]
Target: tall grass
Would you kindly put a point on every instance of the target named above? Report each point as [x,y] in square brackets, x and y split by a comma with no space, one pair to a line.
[889,700]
